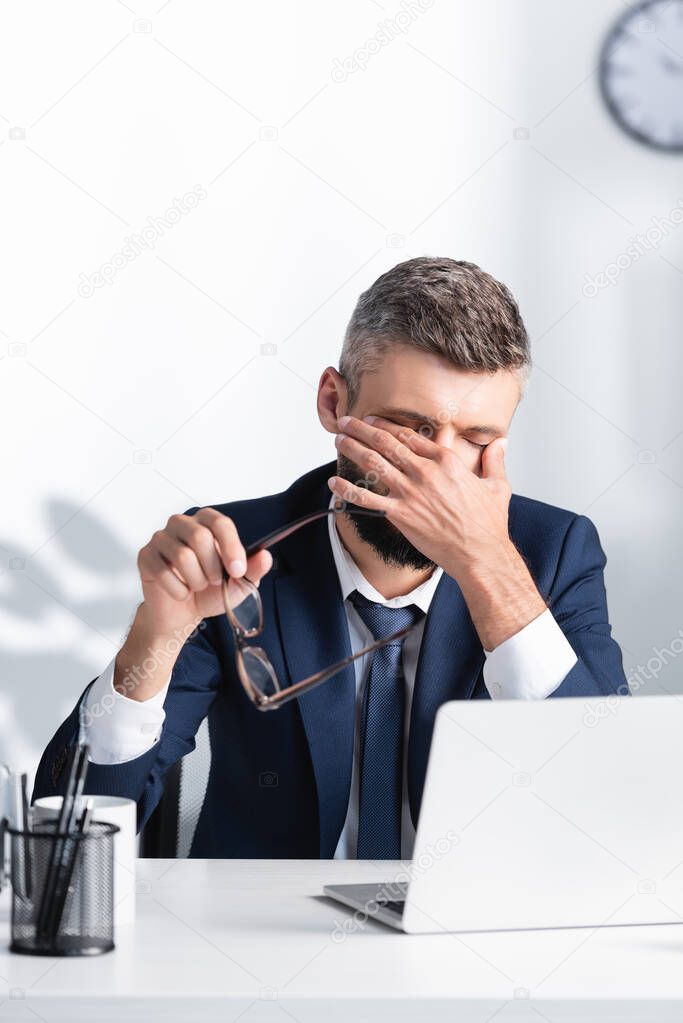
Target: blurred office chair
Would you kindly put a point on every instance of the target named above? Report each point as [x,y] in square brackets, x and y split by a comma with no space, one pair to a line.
[170,829]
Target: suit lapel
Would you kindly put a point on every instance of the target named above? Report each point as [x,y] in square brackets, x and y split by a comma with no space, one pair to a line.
[314,635]
[451,657]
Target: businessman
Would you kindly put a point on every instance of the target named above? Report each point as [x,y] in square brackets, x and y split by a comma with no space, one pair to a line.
[494,596]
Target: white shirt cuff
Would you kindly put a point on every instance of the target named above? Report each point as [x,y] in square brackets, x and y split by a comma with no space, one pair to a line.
[117,728]
[531,664]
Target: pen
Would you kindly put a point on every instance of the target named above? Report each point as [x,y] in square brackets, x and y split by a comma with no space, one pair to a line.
[71,848]
[18,818]
[26,842]
[4,796]
[53,891]
[68,847]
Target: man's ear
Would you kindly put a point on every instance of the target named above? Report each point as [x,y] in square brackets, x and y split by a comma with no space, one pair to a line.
[332,399]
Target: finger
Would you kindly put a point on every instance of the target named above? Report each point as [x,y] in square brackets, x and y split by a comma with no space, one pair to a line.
[230,547]
[493,460]
[181,558]
[153,569]
[370,461]
[386,444]
[258,565]
[358,495]
[418,441]
[201,540]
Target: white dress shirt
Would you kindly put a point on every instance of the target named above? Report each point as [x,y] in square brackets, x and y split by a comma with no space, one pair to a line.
[529,665]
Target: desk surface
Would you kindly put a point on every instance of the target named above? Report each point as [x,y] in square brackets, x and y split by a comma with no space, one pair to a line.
[255,941]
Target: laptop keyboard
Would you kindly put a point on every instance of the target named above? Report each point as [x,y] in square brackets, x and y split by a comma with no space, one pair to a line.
[393,906]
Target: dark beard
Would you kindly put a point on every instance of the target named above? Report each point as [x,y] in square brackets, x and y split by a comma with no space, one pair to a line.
[385,539]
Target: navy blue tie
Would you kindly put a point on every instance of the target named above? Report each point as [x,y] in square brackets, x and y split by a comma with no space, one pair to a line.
[381,733]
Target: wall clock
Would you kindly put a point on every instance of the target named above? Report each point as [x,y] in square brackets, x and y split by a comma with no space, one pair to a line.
[641,73]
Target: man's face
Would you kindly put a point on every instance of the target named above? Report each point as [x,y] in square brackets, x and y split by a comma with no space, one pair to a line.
[459,410]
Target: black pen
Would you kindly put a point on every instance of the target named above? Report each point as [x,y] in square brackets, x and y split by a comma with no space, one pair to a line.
[72,847]
[65,820]
[18,816]
[4,796]
[68,848]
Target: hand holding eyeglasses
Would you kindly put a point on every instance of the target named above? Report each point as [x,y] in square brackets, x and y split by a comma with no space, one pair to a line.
[183,565]
[181,570]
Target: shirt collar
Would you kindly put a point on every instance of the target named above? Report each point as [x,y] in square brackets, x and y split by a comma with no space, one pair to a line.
[351,578]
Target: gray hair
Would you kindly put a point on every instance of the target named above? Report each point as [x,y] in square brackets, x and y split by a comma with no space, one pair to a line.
[438,305]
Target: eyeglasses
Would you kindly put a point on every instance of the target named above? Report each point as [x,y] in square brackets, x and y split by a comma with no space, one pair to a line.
[244,610]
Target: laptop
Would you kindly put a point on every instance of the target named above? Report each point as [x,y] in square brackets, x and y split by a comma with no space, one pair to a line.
[537,814]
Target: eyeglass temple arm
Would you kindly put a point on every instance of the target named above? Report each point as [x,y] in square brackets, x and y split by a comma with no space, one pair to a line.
[279,534]
[292,692]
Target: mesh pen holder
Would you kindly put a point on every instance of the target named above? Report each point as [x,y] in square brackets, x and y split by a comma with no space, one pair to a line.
[62,890]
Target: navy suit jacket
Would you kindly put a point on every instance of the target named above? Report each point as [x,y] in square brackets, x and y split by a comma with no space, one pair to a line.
[279,781]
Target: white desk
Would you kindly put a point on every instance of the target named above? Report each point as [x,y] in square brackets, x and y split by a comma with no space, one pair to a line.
[252,940]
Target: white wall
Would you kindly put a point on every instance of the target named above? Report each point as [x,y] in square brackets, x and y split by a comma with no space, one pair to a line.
[151,394]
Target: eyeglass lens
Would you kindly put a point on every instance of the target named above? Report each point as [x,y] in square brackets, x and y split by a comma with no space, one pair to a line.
[244,604]
[259,671]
